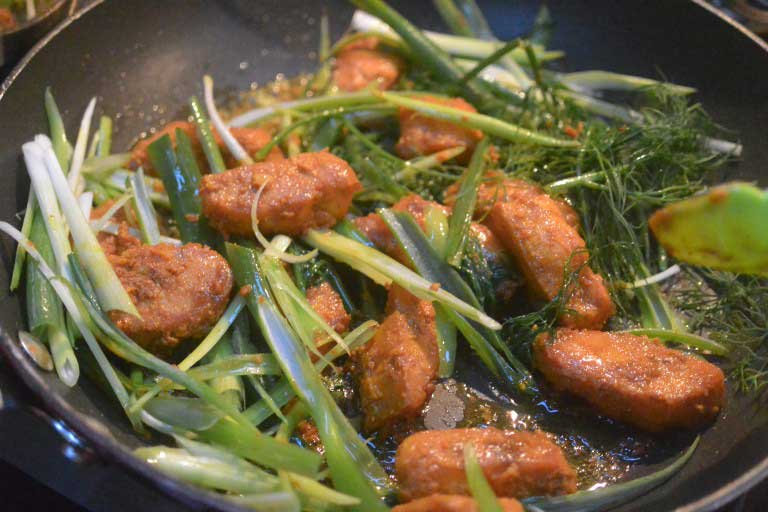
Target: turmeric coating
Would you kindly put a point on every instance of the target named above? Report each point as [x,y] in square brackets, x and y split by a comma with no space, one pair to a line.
[516,464]
[309,190]
[399,365]
[362,63]
[453,503]
[180,292]
[422,135]
[632,378]
[539,234]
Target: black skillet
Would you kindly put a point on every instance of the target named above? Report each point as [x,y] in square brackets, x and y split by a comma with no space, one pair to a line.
[143,59]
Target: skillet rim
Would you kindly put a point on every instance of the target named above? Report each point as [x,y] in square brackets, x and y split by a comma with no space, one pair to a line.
[110,450]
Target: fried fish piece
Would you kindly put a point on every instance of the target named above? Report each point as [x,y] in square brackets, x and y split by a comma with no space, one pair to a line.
[399,365]
[517,464]
[363,62]
[422,135]
[179,291]
[453,503]
[632,378]
[309,190]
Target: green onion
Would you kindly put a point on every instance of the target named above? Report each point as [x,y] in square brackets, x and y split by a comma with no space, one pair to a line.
[45,312]
[613,495]
[111,293]
[436,228]
[150,231]
[424,258]
[74,177]
[61,145]
[591,81]
[304,320]
[684,338]
[63,290]
[472,17]
[242,344]
[487,124]
[471,47]
[104,147]
[261,449]
[309,104]
[453,17]
[26,226]
[481,490]
[326,134]
[211,339]
[249,364]
[104,220]
[119,179]
[48,205]
[97,166]
[464,209]
[354,470]
[280,136]
[385,270]
[230,387]
[487,61]
[206,472]
[282,393]
[181,178]
[207,140]
[234,147]
[424,50]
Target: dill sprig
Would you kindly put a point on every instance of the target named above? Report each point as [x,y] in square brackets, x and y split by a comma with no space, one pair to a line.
[730,309]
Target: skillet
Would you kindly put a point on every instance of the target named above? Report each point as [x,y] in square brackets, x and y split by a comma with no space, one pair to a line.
[143,59]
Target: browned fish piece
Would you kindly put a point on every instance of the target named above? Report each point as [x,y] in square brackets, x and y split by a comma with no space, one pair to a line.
[398,366]
[328,304]
[497,188]
[309,190]
[362,63]
[180,292]
[544,245]
[516,464]
[453,503]
[422,135]
[632,378]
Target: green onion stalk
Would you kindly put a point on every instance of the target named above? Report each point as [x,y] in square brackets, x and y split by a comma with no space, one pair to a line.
[481,490]
[487,124]
[64,290]
[104,146]
[464,209]
[485,341]
[74,177]
[354,470]
[281,393]
[110,291]
[207,140]
[45,313]
[319,103]
[268,450]
[145,212]
[229,140]
[384,270]
[426,52]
